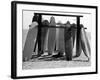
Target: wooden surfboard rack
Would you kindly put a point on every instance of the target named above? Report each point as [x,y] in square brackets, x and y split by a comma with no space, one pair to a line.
[39,27]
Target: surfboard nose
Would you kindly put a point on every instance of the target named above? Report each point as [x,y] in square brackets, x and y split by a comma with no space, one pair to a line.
[52,21]
[45,23]
[68,24]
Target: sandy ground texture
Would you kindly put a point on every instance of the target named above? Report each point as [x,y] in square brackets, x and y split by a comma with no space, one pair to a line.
[47,62]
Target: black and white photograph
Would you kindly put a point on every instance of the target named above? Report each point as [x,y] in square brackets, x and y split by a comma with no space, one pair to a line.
[54,39]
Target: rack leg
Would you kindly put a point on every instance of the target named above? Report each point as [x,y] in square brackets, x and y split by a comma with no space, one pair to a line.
[78,45]
[39,36]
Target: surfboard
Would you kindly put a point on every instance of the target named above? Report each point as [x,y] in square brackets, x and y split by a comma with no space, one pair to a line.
[74,30]
[78,51]
[68,41]
[44,31]
[74,34]
[60,39]
[85,43]
[51,36]
[30,41]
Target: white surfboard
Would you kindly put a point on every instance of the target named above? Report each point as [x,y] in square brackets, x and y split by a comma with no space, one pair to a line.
[60,39]
[74,33]
[51,36]
[85,43]
[30,41]
[44,32]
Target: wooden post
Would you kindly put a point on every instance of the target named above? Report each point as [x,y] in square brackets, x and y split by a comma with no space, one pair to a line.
[39,35]
[78,46]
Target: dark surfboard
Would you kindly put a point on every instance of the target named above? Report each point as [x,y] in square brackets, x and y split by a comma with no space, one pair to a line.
[68,41]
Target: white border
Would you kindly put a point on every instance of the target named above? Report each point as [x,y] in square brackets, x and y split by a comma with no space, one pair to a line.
[21,72]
